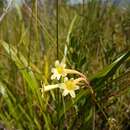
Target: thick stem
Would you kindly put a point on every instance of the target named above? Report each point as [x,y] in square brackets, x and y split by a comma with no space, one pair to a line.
[50,87]
[81,79]
[69,71]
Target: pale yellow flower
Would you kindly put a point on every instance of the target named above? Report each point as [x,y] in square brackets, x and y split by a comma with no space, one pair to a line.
[59,70]
[69,87]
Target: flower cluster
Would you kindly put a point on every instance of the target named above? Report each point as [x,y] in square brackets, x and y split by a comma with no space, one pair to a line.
[68,86]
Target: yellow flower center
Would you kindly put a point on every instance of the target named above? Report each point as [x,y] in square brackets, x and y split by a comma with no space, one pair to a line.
[60,70]
[70,85]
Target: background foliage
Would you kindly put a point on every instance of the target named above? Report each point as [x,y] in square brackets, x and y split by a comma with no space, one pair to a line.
[97,37]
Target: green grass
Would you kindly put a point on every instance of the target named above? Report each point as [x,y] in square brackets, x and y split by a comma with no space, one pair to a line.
[98,45]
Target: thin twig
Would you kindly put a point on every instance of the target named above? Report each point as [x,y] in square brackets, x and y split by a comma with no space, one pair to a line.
[5,11]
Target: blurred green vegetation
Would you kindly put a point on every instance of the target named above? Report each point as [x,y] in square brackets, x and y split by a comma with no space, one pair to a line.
[98,42]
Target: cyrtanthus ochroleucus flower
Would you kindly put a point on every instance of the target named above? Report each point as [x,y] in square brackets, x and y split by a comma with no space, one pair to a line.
[60,71]
[69,86]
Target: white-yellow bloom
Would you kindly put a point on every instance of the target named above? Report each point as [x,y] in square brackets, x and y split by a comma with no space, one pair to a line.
[59,70]
[69,87]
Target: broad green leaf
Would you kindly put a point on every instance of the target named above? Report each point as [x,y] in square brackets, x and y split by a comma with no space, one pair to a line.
[109,70]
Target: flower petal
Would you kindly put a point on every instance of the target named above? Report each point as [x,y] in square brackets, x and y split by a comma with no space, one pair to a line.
[53,77]
[72,79]
[58,76]
[76,87]
[65,92]
[57,63]
[65,79]
[53,70]
[72,93]
[63,64]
